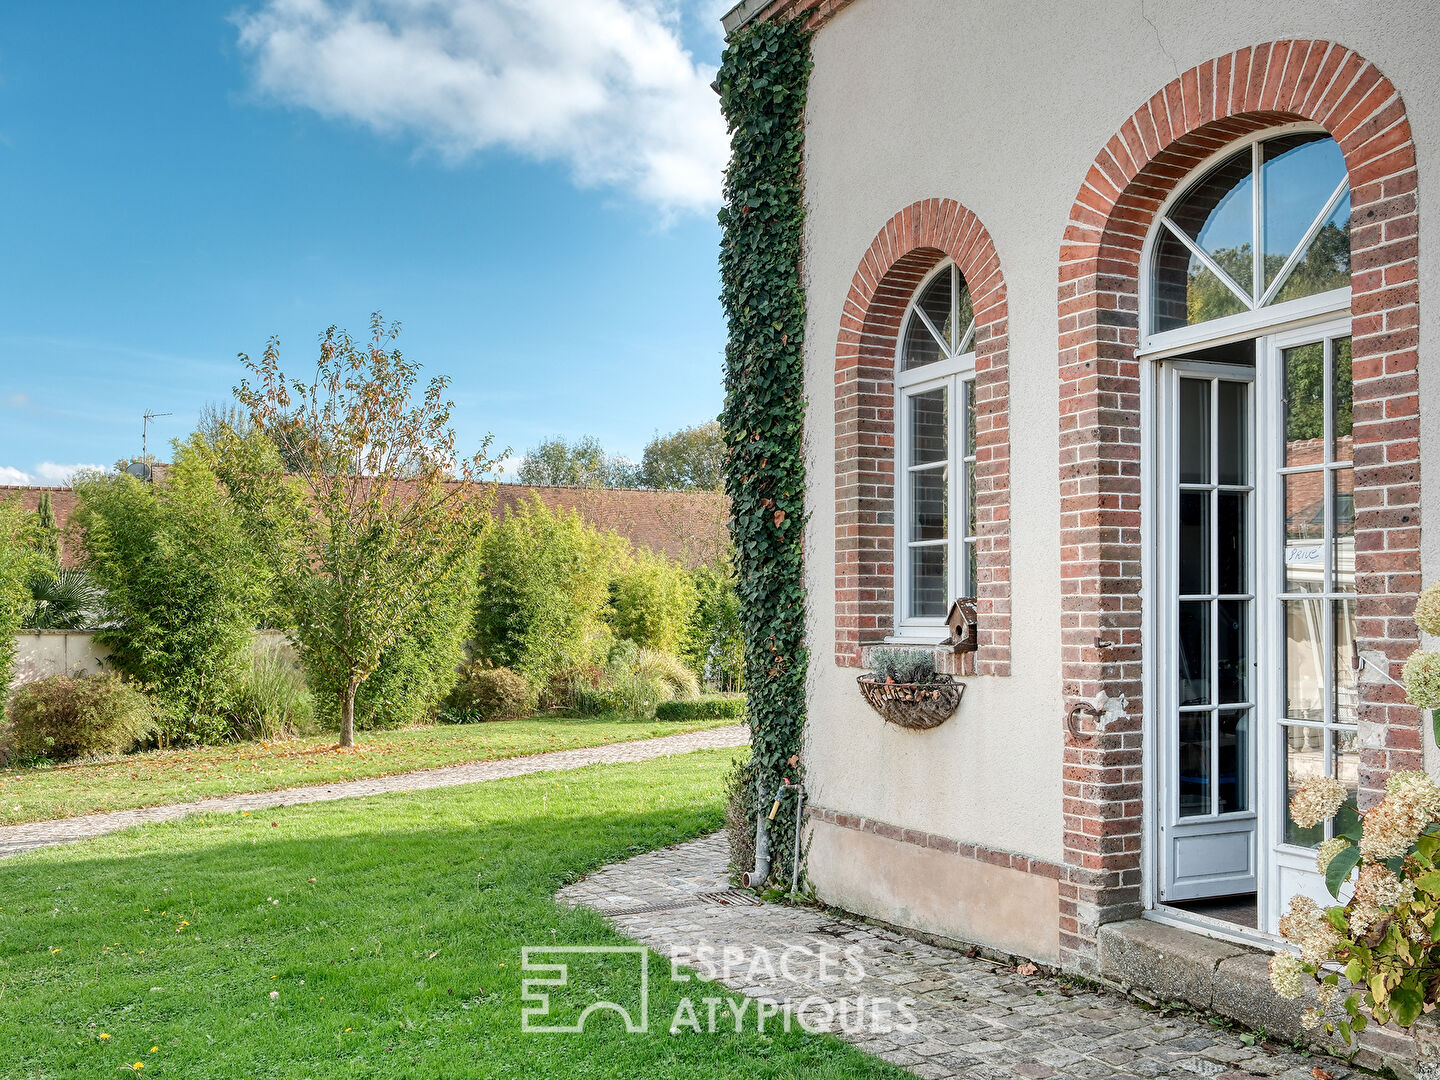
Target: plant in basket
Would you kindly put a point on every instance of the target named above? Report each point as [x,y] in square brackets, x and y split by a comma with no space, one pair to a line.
[906,689]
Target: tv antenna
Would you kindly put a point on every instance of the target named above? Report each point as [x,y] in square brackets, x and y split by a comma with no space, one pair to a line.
[145,423]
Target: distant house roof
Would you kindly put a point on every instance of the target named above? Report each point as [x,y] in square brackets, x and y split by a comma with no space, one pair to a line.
[688,526]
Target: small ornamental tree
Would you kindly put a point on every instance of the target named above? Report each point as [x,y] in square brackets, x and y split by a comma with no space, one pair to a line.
[18,562]
[376,515]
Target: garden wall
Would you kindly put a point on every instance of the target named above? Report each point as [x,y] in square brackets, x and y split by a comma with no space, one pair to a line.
[42,653]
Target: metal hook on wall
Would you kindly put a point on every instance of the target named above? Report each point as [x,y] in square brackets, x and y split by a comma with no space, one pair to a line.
[1072,720]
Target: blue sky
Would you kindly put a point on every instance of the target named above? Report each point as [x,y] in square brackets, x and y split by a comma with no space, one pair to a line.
[528,186]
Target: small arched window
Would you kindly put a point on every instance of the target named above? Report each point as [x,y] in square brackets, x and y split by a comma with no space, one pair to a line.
[935,454]
[1268,224]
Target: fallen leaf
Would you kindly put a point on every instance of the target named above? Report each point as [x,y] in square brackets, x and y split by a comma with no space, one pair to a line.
[1320,1074]
[1026,968]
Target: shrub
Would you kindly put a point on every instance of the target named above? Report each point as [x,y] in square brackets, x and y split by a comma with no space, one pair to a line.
[652,601]
[272,700]
[705,708]
[485,692]
[905,665]
[183,588]
[543,589]
[741,806]
[669,671]
[715,647]
[18,562]
[66,716]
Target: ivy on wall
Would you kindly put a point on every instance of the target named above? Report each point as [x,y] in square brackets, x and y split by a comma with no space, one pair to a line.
[762,82]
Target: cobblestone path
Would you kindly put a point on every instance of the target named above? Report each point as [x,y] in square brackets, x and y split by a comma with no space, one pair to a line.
[976,1018]
[17,838]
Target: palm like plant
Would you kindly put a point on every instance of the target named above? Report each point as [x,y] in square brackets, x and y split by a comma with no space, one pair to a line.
[68,600]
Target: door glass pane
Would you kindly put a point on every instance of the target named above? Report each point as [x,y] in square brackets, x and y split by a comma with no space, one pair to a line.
[1194,542]
[1347,770]
[1194,650]
[929,582]
[1343,406]
[929,503]
[1232,439]
[1232,542]
[1304,758]
[1233,783]
[1219,214]
[1183,291]
[1347,694]
[1232,651]
[1304,532]
[1194,750]
[1304,659]
[935,302]
[1343,553]
[1326,262]
[1301,172]
[1194,434]
[929,426]
[1305,404]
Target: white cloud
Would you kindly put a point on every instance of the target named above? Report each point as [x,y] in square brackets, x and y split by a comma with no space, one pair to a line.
[46,474]
[603,86]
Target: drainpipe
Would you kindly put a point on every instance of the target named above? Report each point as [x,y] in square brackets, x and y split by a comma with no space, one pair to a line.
[756,878]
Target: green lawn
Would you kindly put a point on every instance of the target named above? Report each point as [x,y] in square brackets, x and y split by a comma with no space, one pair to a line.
[389,928]
[175,776]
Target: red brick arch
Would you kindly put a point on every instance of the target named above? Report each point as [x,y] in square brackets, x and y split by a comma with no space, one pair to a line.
[1177,129]
[905,249]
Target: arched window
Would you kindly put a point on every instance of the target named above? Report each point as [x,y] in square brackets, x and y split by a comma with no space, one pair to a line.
[1267,225]
[935,454]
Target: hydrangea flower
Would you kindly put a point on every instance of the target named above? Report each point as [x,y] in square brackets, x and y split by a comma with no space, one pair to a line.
[1317,800]
[1427,610]
[1422,679]
[1307,927]
[1328,850]
[1286,975]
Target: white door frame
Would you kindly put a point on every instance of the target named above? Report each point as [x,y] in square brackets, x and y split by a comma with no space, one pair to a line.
[1308,317]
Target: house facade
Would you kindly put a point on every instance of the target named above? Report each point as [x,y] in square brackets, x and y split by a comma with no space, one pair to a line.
[1118,321]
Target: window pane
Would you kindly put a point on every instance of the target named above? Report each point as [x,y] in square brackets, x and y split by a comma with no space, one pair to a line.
[935,302]
[929,426]
[1194,543]
[1305,532]
[930,503]
[1305,404]
[1232,541]
[1194,431]
[1219,215]
[1347,770]
[970,514]
[1300,173]
[1233,783]
[1347,694]
[965,311]
[1194,764]
[1326,262]
[929,582]
[967,390]
[1232,651]
[1343,551]
[1305,659]
[1183,290]
[1304,758]
[1343,403]
[1194,634]
[1232,440]
[921,348]
[972,559]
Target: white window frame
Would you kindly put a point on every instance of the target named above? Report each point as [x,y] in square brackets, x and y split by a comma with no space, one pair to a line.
[1311,315]
[953,372]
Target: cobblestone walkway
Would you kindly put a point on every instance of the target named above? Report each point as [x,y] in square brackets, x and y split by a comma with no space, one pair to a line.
[976,1018]
[17,838]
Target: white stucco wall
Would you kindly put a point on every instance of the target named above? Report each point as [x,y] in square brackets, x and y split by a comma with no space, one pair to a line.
[42,653]
[1003,108]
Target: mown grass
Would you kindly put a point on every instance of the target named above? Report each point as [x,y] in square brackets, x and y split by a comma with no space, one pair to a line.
[389,929]
[44,792]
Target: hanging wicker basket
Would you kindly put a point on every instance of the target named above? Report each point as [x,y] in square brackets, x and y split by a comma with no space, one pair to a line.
[919,706]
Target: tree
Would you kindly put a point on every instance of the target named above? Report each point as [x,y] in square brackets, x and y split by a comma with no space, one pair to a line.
[18,562]
[690,459]
[652,601]
[47,533]
[182,585]
[583,463]
[351,504]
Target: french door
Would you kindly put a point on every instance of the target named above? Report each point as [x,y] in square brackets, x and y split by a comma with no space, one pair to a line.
[1254,618]
[1206,629]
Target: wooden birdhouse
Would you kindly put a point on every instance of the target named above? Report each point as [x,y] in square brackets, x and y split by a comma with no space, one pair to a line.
[961,623]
